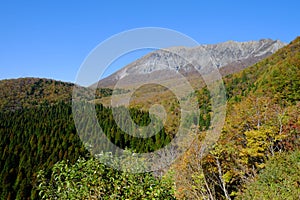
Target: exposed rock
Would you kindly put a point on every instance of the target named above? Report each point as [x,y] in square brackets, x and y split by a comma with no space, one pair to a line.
[166,63]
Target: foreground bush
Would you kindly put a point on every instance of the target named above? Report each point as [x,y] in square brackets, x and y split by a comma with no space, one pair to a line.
[90,179]
[279,180]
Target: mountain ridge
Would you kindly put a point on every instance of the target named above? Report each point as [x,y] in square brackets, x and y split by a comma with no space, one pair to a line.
[165,63]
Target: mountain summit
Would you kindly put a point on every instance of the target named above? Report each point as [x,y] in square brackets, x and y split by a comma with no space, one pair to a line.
[230,56]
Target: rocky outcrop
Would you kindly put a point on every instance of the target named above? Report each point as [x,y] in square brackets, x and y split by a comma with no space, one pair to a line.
[163,64]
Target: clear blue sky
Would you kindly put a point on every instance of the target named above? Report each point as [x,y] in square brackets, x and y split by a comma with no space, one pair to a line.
[51,38]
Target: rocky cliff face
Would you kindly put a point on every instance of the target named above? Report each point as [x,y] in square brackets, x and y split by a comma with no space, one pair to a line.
[164,64]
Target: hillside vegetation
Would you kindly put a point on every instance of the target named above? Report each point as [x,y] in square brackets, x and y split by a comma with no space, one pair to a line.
[24,92]
[262,122]
[42,156]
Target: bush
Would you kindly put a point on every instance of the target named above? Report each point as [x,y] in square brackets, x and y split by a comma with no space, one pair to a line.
[90,179]
[279,180]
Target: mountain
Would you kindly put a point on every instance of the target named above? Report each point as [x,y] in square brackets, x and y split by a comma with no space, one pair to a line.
[165,64]
[37,131]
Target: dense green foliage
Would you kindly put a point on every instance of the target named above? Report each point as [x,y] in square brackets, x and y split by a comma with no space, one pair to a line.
[87,179]
[38,137]
[34,139]
[279,180]
[124,140]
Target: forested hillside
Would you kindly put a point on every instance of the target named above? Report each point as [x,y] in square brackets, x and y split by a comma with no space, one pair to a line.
[21,93]
[42,155]
[33,139]
[262,122]
[36,138]
[24,92]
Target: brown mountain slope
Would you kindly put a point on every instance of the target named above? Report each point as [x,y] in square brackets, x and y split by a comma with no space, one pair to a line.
[23,92]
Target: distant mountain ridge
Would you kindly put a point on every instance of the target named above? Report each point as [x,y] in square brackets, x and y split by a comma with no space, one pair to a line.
[164,64]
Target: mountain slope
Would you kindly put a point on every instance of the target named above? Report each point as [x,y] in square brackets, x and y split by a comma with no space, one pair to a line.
[262,121]
[24,92]
[276,76]
[165,64]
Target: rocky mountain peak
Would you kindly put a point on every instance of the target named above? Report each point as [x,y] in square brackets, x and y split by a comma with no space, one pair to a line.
[167,61]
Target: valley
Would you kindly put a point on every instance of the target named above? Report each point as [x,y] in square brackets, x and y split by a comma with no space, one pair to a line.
[43,157]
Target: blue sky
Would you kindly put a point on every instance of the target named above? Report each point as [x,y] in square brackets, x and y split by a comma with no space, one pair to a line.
[52,38]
